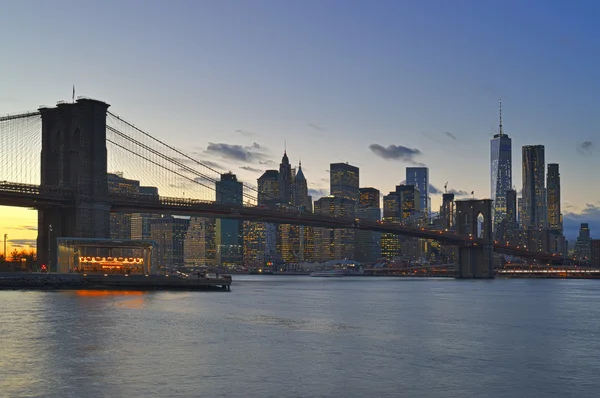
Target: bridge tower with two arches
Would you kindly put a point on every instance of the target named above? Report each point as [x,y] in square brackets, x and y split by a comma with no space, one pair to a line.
[474,219]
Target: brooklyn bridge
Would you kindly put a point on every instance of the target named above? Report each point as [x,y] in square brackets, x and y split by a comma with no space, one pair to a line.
[68,186]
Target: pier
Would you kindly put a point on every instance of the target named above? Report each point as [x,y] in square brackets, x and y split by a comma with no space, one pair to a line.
[36,281]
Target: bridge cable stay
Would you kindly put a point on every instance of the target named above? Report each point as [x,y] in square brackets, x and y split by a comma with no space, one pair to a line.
[182,167]
[20,147]
[191,159]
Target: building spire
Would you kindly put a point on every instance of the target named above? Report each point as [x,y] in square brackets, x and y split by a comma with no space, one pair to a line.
[501,132]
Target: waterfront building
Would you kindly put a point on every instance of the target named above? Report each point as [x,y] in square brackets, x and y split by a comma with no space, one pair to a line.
[501,176]
[334,244]
[419,178]
[229,233]
[120,223]
[391,246]
[595,253]
[140,222]
[344,181]
[199,244]
[367,247]
[583,245]
[534,190]
[169,234]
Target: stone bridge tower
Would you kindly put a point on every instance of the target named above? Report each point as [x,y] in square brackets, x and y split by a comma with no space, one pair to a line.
[474,218]
[74,157]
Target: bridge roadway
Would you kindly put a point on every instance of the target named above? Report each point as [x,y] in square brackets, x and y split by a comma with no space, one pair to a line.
[35,196]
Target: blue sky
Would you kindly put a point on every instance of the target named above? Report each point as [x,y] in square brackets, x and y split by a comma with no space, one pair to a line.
[331,78]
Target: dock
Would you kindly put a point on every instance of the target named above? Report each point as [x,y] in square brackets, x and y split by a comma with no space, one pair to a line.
[37,281]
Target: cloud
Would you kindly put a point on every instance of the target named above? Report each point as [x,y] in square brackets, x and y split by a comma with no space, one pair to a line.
[27,228]
[449,134]
[246,133]
[266,162]
[433,190]
[397,152]
[458,192]
[317,193]
[316,127]
[252,169]
[22,242]
[572,220]
[326,170]
[585,148]
[251,153]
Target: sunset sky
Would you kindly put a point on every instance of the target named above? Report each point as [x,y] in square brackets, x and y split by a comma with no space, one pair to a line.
[232,81]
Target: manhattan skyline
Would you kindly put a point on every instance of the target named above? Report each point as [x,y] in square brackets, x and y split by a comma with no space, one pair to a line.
[383,87]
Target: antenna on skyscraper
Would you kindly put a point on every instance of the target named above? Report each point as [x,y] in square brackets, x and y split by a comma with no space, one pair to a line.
[501,118]
[446,187]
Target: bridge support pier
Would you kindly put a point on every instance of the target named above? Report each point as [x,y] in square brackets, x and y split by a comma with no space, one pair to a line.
[474,218]
[74,158]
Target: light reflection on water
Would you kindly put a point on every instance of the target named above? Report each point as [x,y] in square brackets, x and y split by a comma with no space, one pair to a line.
[300,336]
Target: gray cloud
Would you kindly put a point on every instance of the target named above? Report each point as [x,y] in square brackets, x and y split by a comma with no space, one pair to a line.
[251,153]
[246,133]
[266,162]
[458,192]
[316,127]
[449,134]
[585,148]
[433,190]
[317,193]
[326,170]
[252,169]
[397,152]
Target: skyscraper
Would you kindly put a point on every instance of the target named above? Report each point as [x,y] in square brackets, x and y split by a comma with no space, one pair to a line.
[448,211]
[369,197]
[367,248]
[334,244]
[228,233]
[268,187]
[534,189]
[553,197]
[419,177]
[344,180]
[501,174]
[285,180]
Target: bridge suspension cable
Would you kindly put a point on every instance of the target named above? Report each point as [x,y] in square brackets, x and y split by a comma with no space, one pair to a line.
[182,158]
[20,148]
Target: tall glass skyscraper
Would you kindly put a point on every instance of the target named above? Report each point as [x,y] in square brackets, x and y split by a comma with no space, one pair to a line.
[501,173]
[228,233]
[553,197]
[535,211]
[419,177]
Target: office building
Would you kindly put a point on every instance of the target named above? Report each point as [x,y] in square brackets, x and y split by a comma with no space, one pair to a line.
[448,211]
[419,177]
[169,234]
[334,244]
[367,247]
[344,181]
[534,188]
[369,197]
[553,198]
[583,245]
[199,244]
[501,175]
[229,233]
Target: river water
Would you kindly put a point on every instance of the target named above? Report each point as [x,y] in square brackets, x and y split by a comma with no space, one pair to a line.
[284,336]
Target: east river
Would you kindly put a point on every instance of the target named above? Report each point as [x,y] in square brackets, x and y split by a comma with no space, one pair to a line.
[285,336]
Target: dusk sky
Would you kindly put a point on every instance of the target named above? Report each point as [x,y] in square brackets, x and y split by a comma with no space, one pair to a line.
[379,84]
